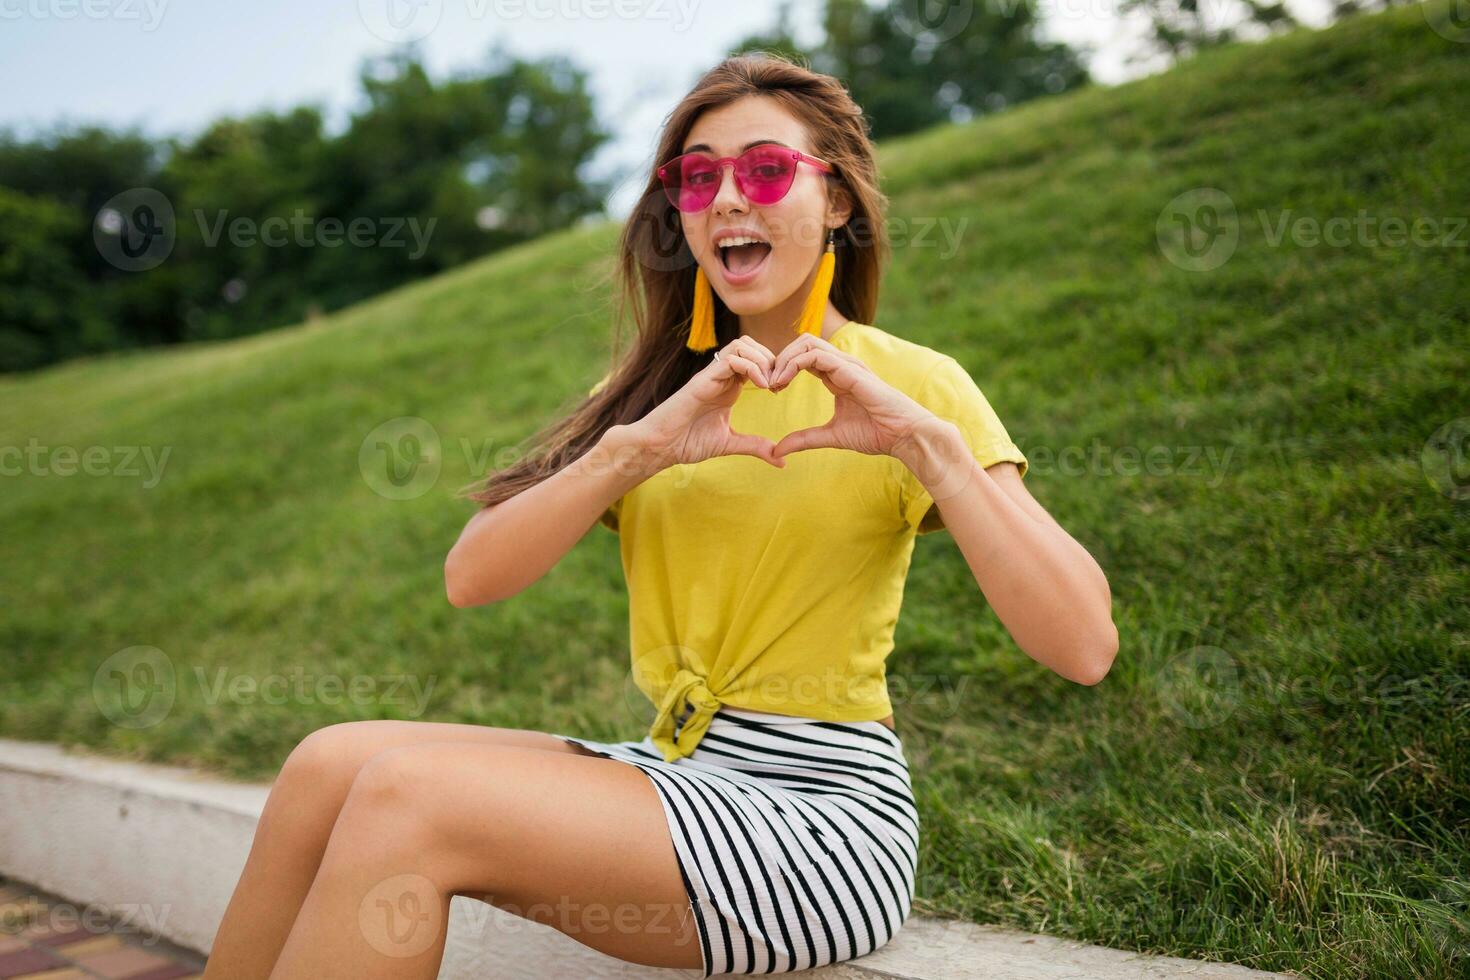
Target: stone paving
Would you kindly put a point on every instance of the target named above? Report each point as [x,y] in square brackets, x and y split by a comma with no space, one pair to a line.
[45,937]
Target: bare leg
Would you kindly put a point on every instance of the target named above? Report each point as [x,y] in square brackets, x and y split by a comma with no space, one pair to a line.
[297,821]
[576,842]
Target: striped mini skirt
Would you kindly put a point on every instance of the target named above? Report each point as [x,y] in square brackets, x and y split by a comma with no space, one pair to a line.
[797,838]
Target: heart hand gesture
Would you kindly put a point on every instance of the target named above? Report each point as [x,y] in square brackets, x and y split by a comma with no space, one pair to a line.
[693,423]
[869,415]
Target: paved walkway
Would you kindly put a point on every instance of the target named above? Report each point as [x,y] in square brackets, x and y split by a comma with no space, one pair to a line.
[43,937]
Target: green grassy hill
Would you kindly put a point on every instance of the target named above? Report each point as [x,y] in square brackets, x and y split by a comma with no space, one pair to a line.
[1275,771]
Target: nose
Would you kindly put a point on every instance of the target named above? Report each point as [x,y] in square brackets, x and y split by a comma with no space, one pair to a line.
[729,196]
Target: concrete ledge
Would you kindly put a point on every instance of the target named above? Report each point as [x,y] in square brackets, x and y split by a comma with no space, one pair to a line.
[163,846]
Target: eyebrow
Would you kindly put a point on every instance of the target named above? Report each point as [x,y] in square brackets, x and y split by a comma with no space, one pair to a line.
[705,147]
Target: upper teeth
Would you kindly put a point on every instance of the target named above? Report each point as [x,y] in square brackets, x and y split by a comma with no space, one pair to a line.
[740,240]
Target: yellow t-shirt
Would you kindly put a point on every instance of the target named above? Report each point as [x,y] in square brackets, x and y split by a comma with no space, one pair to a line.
[779,589]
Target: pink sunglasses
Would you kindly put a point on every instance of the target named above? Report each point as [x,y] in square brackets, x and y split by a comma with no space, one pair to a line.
[763,173]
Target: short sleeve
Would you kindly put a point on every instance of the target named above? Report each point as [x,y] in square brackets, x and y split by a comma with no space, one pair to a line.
[609,517]
[950,393]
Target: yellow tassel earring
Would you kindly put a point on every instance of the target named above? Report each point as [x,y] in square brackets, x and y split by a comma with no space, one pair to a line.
[816,303]
[702,323]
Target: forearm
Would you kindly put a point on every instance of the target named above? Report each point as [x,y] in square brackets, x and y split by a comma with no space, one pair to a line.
[1046,588]
[506,547]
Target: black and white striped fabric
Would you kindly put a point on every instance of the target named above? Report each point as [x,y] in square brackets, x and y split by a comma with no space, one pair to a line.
[797,838]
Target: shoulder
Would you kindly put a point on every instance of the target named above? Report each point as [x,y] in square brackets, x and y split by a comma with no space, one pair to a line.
[903,363]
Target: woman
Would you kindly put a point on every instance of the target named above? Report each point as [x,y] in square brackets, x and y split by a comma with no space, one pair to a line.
[767,456]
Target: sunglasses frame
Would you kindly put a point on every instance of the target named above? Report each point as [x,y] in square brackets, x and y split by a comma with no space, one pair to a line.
[719,164]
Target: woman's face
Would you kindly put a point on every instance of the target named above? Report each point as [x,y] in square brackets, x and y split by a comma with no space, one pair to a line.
[755,278]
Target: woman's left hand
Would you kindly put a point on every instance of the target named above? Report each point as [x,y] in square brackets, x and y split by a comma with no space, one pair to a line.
[869,415]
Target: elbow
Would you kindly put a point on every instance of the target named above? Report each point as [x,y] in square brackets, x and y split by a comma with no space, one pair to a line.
[454,586]
[456,599]
[452,591]
[462,595]
[1099,658]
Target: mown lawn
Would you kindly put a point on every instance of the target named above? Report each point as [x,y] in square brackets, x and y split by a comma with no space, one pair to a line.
[1243,434]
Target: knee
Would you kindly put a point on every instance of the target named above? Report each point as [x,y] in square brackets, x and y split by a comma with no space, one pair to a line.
[393,781]
[391,802]
[325,761]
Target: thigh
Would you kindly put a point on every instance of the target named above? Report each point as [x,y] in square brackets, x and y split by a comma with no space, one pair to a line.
[577,842]
[331,756]
[358,741]
[312,785]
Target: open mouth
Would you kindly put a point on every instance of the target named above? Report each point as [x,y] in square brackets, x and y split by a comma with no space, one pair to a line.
[743,257]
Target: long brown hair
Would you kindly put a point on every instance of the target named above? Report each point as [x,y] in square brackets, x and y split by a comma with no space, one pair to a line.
[654,276]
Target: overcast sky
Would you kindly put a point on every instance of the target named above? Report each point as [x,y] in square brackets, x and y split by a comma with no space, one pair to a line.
[170,66]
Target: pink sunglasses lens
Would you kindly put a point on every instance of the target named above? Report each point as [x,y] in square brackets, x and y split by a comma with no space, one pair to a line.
[764,175]
[691,182]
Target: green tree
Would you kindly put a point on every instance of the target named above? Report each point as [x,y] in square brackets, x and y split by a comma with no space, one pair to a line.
[255,174]
[478,161]
[433,173]
[1181,27]
[910,70]
[46,311]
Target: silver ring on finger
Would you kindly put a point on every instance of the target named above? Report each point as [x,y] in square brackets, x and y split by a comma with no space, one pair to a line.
[717,355]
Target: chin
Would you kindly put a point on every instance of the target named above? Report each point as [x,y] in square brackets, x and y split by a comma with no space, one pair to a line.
[750,305]
[753,299]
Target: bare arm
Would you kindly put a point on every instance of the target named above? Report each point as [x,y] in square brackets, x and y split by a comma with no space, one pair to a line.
[1046,588]
[495,558]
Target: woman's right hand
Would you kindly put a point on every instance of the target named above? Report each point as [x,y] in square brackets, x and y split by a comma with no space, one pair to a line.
[693,423]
